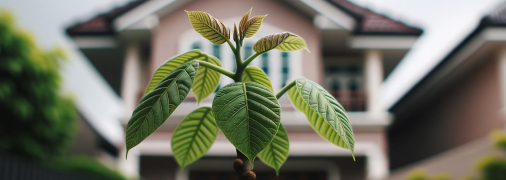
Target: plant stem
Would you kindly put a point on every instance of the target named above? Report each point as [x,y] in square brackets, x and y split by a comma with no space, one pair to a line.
[286,88]
[230,44]
[238,62]
[217,68]
[251,58]
[244,165]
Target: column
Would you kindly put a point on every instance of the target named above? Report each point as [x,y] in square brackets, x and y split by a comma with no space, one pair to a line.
[129,167]
[130,84]
[502,80]
[373,74]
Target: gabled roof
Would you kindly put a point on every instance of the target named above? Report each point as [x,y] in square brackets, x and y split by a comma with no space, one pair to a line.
[368,22]
[102,23]
[496,18]
[372,23]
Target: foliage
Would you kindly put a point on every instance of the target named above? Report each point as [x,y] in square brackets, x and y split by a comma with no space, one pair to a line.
[86,167]
[37,122]
[247,111]
[499,139]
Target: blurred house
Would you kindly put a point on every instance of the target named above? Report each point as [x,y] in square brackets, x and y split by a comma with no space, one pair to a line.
[442,124]
[352,50]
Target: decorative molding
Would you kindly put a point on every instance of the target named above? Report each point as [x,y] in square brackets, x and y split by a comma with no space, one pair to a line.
[95,42]
[382,42]
[331,12]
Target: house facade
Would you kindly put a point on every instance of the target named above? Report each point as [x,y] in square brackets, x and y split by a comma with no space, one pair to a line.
[443,123]
[352,50]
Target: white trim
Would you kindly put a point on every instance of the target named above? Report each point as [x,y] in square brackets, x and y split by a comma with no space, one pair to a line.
[139,13]
[376,160]
[94,98]
[95,42]
[325,23]
[297,118]
[382,42]
[487,35]
[331,12]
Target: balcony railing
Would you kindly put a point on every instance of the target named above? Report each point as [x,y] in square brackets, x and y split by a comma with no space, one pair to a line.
[350,100]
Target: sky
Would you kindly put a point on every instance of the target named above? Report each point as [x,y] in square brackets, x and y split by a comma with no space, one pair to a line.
[445,24]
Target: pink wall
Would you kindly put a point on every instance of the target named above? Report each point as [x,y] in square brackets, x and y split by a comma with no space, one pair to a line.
[166,35]
[466,111]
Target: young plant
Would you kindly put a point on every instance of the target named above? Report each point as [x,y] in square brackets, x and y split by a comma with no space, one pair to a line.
[247,111]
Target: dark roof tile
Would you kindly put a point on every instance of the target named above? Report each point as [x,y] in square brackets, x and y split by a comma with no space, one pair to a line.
[102,23]
[373,23]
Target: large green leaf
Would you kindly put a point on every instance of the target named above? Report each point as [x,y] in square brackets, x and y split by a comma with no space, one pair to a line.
[156,106]
[282,41]
[206,81]
[276,152]
[248,27]
[209,27]
[194,136]
[256,75]
[323,112]
[249,116]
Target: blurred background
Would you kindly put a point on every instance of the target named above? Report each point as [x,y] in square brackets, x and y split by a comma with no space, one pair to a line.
[423,81]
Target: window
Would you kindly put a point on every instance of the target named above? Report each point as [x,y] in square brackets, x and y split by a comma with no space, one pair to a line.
[216,51]
[335,88]
[285,69]
[248,51]
[196,45]
[265,63]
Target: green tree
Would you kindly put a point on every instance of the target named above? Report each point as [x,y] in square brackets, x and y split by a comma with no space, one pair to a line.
[37,122]
[247,111]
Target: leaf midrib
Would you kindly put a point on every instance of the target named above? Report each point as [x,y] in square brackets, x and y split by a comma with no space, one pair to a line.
[212,28]
[247,116]
[200,54]
[193,137]
[339,121]
[165,91]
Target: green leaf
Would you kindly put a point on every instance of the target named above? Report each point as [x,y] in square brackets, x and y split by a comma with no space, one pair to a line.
[282,41]
[256,75]
[206,81]
[323,112]
[269,42]
[194,136]
[248,27]
[249,116]
[276,152]
[209,27]
[156,106]
[293,43]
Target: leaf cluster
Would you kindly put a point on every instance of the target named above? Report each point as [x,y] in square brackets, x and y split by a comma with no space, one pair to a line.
[37,122]
[247,111]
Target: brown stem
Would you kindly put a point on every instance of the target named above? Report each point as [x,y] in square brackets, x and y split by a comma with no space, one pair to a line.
[242,167]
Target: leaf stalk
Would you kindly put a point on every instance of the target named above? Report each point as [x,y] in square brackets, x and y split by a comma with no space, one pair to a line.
[217,69]
[285,89]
